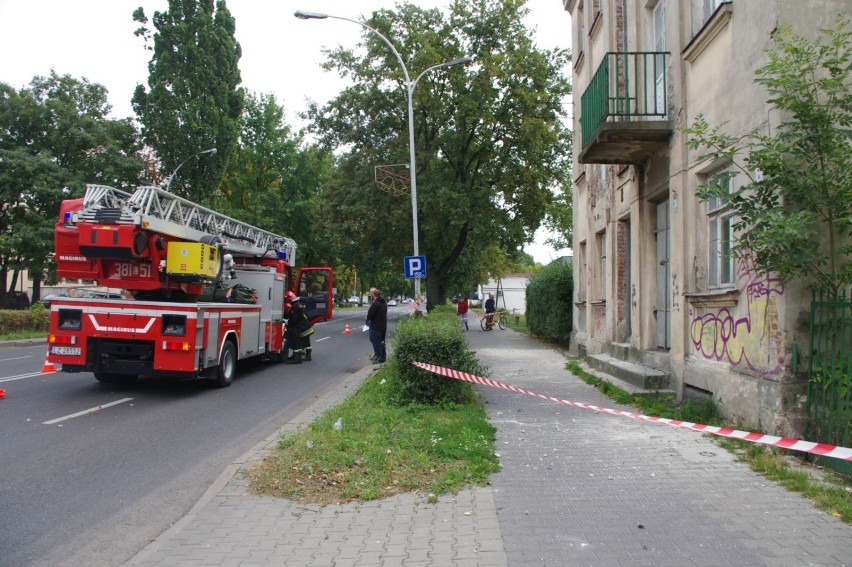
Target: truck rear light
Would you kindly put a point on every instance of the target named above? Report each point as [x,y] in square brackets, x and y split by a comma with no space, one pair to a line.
[70,319]
[61,340]
[174,325]
[177,346]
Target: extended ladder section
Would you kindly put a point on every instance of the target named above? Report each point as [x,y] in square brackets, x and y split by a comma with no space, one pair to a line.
[155,209]
[102,203]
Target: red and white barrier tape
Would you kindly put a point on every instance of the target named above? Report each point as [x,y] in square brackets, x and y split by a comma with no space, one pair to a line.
[822,449]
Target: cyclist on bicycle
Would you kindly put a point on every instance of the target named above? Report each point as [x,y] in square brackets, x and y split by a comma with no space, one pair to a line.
[490,309]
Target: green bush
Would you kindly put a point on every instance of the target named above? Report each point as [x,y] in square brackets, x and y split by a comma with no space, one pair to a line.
[433,339]
[39,317]
[550,302]
[36,319]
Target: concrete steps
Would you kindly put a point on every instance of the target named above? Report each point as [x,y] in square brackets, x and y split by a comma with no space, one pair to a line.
[629,376]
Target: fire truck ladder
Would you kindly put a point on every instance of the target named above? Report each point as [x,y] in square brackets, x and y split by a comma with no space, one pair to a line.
[158,210]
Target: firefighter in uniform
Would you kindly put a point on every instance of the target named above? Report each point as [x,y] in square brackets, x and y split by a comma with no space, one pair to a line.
[306,329]
[299,330]
[291,334]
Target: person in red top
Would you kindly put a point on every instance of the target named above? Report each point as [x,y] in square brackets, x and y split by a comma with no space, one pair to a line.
[462,313]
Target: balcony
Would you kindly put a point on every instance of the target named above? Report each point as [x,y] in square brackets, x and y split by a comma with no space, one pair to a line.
[625,109]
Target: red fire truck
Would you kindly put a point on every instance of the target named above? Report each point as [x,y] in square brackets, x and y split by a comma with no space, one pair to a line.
[202,290]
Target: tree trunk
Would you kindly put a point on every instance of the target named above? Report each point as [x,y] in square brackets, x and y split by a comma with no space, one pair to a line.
[36,290]
[436,293]
[4,273]
[436,286]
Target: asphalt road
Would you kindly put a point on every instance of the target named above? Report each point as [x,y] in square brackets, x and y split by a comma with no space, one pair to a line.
[93,472]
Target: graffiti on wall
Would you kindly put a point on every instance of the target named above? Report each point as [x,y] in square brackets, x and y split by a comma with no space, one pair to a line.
[675,294]
[748,334]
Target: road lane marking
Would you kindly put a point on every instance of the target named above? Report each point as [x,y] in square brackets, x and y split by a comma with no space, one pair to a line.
[22,376]
[14,358]
[322,339]
[86,412]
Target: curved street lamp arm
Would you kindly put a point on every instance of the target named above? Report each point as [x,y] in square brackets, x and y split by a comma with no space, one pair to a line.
[309,15]
[459,61]
[199,154]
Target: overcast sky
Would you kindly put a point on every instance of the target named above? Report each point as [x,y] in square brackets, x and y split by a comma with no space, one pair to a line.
[281,54]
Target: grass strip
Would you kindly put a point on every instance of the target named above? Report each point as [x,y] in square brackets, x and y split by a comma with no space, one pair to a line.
[379,448]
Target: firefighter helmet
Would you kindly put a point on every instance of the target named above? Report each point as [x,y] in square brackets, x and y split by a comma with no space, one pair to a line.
[289,296]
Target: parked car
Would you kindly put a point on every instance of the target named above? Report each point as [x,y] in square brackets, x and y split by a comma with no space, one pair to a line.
[353,299]
[392,303]
[81,293]
[19,300]
[50,297]
[98,294]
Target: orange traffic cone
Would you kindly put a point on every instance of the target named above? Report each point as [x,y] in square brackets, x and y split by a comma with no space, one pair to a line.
[346,331]
[48,366]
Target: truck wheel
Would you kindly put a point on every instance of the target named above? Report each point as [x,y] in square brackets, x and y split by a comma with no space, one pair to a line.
[110,378]
[222,376]
[105,377]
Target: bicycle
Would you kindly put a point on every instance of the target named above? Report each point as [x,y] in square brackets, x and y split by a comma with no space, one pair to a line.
[498,318]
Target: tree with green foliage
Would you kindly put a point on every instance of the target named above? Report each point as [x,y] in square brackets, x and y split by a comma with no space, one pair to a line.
[795,218]
[273,180]
[344,280]
[560,221]
[193,102]
[490,144]
[55,136]
[388,276]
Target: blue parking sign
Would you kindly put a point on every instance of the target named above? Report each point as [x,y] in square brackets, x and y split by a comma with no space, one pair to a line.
[415,267]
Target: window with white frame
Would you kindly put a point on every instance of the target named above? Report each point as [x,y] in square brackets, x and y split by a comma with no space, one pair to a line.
[597,10]
[702,11]
[580,29]
[710,8]
[720,237]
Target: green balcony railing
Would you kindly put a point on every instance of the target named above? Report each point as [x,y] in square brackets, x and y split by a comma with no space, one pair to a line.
[628,86]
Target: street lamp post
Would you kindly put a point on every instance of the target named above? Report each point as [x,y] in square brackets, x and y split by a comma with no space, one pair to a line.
[409,87]
[211,151]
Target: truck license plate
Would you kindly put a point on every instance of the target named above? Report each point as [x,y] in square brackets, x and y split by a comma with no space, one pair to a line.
[65,350]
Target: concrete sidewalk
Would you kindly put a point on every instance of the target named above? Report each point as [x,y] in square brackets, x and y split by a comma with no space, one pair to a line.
[576,488]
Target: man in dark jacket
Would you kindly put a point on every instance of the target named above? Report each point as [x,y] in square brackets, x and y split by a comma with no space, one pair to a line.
[490,309]
[377,321]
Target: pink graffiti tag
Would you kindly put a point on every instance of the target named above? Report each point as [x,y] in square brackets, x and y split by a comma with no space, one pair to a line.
[714,333]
